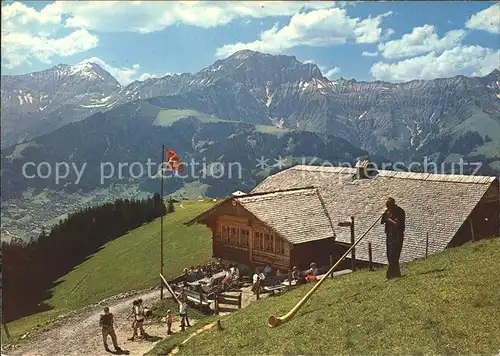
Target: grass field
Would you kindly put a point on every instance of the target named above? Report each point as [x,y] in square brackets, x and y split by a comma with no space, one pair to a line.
[271,129]
[448,304]
[169,116]
[167,345]
[18,150]
[128,263]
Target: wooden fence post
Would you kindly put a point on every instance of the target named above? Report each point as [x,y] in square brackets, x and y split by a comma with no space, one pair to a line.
[331,264]
[217,303]
[353,253]
[370,261]
[239,300]
[289,280]
[426,245]
[258,290]
[472,230]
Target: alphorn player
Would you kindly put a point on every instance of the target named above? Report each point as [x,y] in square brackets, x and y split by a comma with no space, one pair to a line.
[394,220]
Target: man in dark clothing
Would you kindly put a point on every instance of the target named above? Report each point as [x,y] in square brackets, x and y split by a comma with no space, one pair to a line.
[106,322]
[394,220]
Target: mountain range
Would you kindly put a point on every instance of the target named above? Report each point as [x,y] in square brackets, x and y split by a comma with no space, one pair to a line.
[239,109]
[396,120]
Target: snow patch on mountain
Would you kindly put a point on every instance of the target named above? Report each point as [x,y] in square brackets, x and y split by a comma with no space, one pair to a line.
[86,70]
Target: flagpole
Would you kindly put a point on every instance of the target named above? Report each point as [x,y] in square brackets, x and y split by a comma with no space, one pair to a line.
[161,221]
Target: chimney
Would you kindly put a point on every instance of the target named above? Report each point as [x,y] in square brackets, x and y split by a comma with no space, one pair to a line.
[365,169]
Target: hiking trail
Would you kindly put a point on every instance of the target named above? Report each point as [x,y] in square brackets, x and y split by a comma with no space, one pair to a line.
[81,334]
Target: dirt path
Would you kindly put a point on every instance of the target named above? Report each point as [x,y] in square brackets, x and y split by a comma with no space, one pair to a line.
[81,334]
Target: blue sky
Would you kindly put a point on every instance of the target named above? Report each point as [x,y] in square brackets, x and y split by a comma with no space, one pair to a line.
[392,41]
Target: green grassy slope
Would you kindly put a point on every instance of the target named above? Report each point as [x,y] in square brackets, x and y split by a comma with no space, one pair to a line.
[271,129]
[448,304]
[130,262]
[169,116]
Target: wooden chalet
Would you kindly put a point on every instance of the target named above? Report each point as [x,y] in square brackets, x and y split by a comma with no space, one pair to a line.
[282,228]
[292,217]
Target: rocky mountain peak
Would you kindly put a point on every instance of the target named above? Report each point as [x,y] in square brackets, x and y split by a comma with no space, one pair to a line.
[277,68]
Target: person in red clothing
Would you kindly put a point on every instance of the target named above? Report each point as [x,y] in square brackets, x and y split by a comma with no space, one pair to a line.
[312,272]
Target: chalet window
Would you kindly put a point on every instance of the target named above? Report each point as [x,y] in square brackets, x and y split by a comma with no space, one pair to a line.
[225,234]
[280,246]
[258,241]
[234,236]
[268,242]
[244,234]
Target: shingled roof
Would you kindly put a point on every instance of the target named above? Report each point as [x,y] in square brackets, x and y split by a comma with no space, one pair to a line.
[297,215]
[434,203]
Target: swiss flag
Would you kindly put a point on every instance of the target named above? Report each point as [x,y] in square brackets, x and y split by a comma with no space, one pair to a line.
[174,163]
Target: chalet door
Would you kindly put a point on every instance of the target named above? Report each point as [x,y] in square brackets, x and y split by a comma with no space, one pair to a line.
[485,220]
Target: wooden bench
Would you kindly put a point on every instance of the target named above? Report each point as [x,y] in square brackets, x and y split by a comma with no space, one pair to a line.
[287,283]
[228,299]
[199,299]
[278,288]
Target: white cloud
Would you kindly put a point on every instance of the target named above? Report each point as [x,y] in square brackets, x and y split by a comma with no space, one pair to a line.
[29,34]
[17,15]
[19,48]
[332,73]
[150,16]
[422,39]
[146,76]
[461,60]
[317,28]
[387,34]
[486,20]
[369,54]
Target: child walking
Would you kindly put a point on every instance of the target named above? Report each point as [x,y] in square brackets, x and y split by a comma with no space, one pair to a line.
[169,322]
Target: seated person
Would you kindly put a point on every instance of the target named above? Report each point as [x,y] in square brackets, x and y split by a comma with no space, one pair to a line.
[297,275]
[280,276]
[258,278]
[312,272]
[185,273]
[227,280]
[219,265]
[192,274]
[314,269]
[235,272]
[197,271]
[210,269]
[267,271]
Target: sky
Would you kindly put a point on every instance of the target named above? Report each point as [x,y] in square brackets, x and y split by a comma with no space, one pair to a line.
[367,41]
